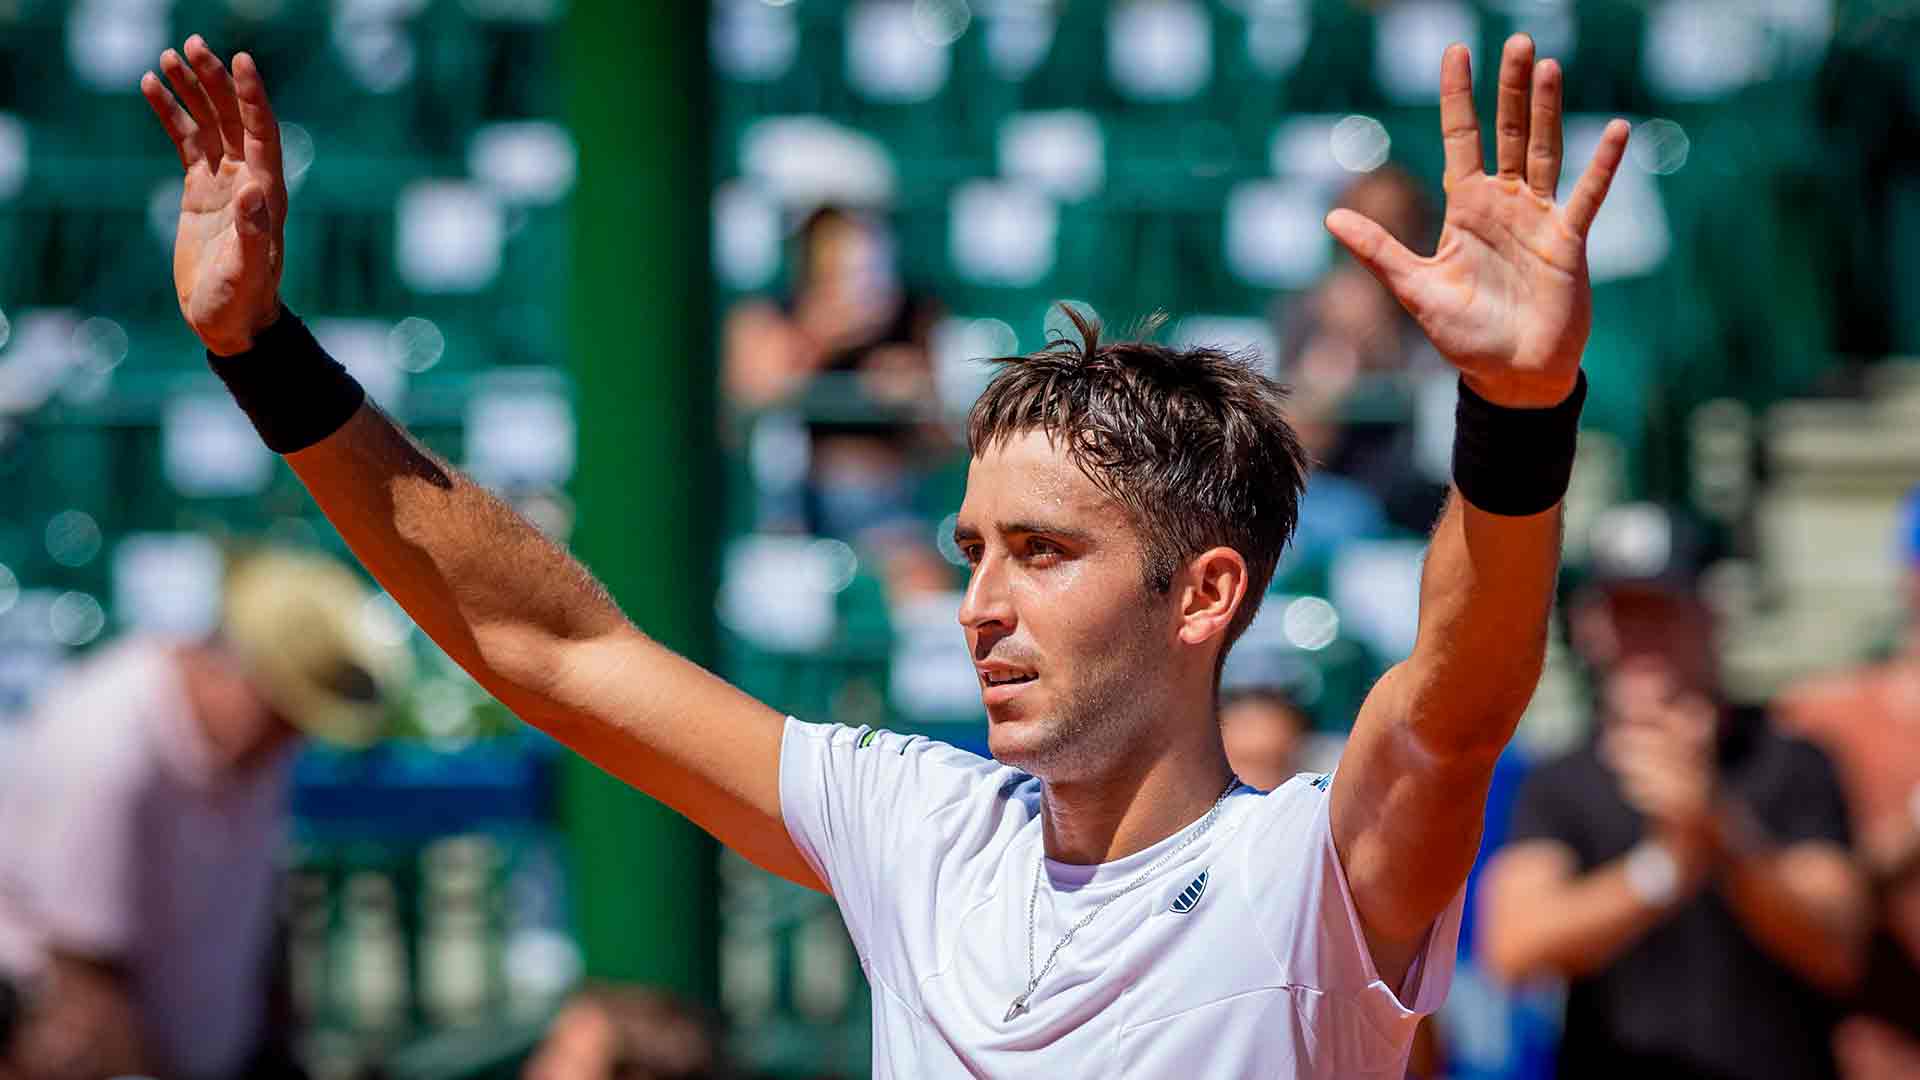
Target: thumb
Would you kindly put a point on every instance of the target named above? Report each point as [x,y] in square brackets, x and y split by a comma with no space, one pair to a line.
[1375,248]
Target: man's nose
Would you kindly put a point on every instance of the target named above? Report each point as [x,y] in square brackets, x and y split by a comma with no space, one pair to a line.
[987,603]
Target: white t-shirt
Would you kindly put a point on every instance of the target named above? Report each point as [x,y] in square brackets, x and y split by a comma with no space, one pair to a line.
[1259,970]
[121,840]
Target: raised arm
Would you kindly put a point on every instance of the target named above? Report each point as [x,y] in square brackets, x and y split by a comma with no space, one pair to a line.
[1505,299]
[508,605]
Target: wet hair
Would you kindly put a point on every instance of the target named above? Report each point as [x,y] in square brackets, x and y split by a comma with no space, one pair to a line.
[1192,442]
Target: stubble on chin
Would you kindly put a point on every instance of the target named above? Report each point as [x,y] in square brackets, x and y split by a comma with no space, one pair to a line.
[1091,731]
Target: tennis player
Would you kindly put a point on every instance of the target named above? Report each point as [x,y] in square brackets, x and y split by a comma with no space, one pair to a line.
[1102,898]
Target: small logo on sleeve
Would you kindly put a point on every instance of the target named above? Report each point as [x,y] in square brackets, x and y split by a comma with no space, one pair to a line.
[1190,895]
[1322,780]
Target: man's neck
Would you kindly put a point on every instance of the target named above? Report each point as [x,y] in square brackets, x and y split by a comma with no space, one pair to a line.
[1100,820]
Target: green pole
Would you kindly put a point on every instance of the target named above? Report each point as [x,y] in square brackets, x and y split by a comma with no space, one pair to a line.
[643,879]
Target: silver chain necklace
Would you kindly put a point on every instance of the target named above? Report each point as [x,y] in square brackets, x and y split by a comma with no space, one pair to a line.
[1039,871]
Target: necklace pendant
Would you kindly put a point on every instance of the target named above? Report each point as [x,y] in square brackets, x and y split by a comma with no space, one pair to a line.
[1019,1006]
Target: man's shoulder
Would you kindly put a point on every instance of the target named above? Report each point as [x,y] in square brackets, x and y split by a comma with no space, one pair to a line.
[882,742]
[1285,809]
[938,771]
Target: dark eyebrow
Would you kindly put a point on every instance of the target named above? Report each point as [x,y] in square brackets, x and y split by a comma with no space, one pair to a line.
[966,533]
[1063,532]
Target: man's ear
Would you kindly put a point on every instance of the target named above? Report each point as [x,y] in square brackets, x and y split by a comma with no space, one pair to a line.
[1213,587]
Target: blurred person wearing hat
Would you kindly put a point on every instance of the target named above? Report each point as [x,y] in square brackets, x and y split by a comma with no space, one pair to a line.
[1686,871]
[139,836]
[1869,720]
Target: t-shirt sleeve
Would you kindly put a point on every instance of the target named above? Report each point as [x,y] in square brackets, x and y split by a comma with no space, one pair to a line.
[1305,910]
[854,798]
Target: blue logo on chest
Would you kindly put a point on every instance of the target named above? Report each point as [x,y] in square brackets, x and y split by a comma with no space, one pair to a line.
[1190,895]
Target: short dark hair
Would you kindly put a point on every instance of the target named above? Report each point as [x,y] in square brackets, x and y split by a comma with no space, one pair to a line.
[1193,442]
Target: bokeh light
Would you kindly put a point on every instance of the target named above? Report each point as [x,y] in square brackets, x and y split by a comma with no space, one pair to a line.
[163,210]
[943,539]
[73,538]
[100,344]
[1310,623]
[1660,146]
[296,152]
[996,337]
[835,563]
[75,619]
[1360,144]
[9,590]
[941,22]
[417,344]
[1057,326]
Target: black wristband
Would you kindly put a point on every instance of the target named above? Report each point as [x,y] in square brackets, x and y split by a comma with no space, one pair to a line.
[295,394]
[1515,462]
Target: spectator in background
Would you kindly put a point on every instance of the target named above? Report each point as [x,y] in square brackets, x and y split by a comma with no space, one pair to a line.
[1262,727]
[1869,720]
[625,1033]
[139,842]
[1335,509]
[1687,870]
[1353,356]
[1391,196]
[848,312]
[850,352]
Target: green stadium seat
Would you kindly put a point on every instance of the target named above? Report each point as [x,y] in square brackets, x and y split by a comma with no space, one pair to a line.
[1903,240]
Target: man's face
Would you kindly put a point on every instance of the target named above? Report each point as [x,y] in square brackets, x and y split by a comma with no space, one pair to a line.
[1068,641]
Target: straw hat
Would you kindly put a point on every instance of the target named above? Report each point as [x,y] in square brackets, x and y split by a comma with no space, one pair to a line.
[300,622]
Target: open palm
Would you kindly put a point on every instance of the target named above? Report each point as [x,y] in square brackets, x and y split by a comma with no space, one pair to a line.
[1505,295]
[229,251]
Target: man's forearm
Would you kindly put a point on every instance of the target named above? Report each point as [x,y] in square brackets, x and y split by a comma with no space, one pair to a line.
[1485,594]
[539,633]
[477,577]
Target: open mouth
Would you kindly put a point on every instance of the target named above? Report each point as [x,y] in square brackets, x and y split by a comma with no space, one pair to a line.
[1008,680]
